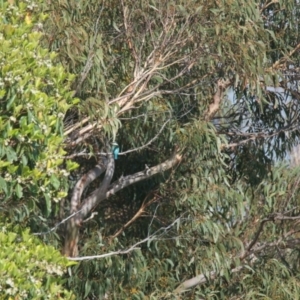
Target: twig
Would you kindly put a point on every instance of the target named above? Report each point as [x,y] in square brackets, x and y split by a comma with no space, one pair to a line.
[58,224]
[133,247]
[267,5]
[258,232]
[150,142]
[273,217]
[253,137]
[91,217]
[83,153]
[135,217]
[102,255]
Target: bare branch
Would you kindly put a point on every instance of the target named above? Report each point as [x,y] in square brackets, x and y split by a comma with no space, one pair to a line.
[200,279]
[135,217]
[72,228]
[259,135]
[154,236]
[90,217]
[57,225]
[102,255]
[99,194]
[83,182]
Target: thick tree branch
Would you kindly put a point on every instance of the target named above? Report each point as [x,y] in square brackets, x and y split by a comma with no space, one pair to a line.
[100,194]
[97,195]
[222,85]
[72,228]
[83,182]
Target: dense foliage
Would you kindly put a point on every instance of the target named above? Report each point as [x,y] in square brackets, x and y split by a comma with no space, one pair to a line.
[202,98]
[34,97]
[29,269]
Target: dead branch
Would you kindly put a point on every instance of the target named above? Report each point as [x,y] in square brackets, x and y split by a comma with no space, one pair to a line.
[103,255]
[135,217]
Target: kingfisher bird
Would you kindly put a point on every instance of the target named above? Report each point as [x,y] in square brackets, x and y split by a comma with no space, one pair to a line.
[115,150]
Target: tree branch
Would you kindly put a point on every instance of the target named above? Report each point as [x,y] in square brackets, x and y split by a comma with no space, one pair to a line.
[200,279]
[254,136]
[203,278]
[148,143]
[72,228]
[83,182]
[100,194]
[154,236]
[135,217]
[222,85]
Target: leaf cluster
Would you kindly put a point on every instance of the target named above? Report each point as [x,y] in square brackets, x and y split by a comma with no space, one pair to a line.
[34,97]
[30,269]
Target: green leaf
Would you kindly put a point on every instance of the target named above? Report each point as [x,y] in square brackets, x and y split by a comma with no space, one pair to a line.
[87,288]
[55,182]
[11,101]
[3,185]
[48,204]
[19,191]
[24,160]
[11,154]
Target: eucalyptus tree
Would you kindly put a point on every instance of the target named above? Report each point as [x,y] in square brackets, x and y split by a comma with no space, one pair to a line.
[194,200]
